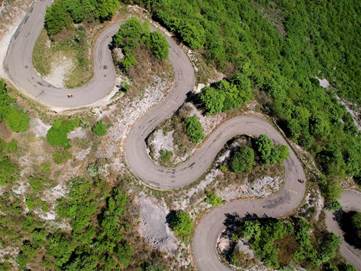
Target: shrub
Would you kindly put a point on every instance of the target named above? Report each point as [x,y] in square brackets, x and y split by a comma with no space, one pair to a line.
[61,156]
[158,45]
[243,160]
[132,35]
[57,18]
[194,129]
[165,156]
[227,95]
[270,153]
[181,223]
[58,133]
[100,129]
[213,199]
[9,171]
[17,120]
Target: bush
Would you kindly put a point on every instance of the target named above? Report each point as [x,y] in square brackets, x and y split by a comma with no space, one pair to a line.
[9,171]
[165,156]
[194,129]
[158,45]
[268,152]
[243,160]
[227,95]
[100,129]
[62,13]
[132,35]
[61,156]
[181,223]
[58,134]
[213,199]
[17,120]
[57,18]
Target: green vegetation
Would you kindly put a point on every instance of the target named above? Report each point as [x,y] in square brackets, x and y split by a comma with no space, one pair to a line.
[15,118]
[227,95]
[270,153]
[61,156]
[74,47]
[165,156]
[57,135]
[243,160]
[133,35]
[63,13]
[194,129]
[100,128]
[261,152]
[99,238]
[282,46]
[213,199]
[181,223]
[9,171]
[281,242]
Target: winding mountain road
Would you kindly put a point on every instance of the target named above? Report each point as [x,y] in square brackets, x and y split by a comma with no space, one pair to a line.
[18,64]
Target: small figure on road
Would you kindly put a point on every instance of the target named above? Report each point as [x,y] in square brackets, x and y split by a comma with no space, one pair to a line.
[69,95]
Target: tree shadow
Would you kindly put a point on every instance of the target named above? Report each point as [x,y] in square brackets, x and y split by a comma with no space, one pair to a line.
[349,232]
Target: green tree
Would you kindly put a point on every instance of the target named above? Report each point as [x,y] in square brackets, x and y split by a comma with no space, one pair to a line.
[57,18]
[268,152]
[243,160]
[9,171]
[213,100]
[100,128]
[17,120]
[194,129]
[58,133]
[107,8]
[158,45]
[181,223]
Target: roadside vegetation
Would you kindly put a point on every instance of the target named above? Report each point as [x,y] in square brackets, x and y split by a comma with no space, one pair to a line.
[259,151]
[68,37]
[282,57]
[226,95]
[181,223]
[134,35]
[15,118]
[100,128]
[284,242]
[194,129]
[63,14]
[100,238]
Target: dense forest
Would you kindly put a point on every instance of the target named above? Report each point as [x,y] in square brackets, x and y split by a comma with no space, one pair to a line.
[283,47]
[283,242]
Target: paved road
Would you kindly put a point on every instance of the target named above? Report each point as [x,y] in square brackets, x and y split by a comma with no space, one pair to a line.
[350,201]
[20,69]
[18,64]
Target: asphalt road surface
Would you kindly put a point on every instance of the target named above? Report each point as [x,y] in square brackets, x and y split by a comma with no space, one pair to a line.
[350,201]
[18,64]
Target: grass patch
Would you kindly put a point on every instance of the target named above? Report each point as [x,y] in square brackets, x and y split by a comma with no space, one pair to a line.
[73,46]
[57,135]
[165,157]
[100,128]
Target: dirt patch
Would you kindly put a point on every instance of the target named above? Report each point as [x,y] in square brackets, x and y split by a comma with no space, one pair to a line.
[38,127]
[153,227]
[59,71]
[5,133]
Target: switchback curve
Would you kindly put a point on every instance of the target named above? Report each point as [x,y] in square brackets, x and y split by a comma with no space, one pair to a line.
[18,64]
